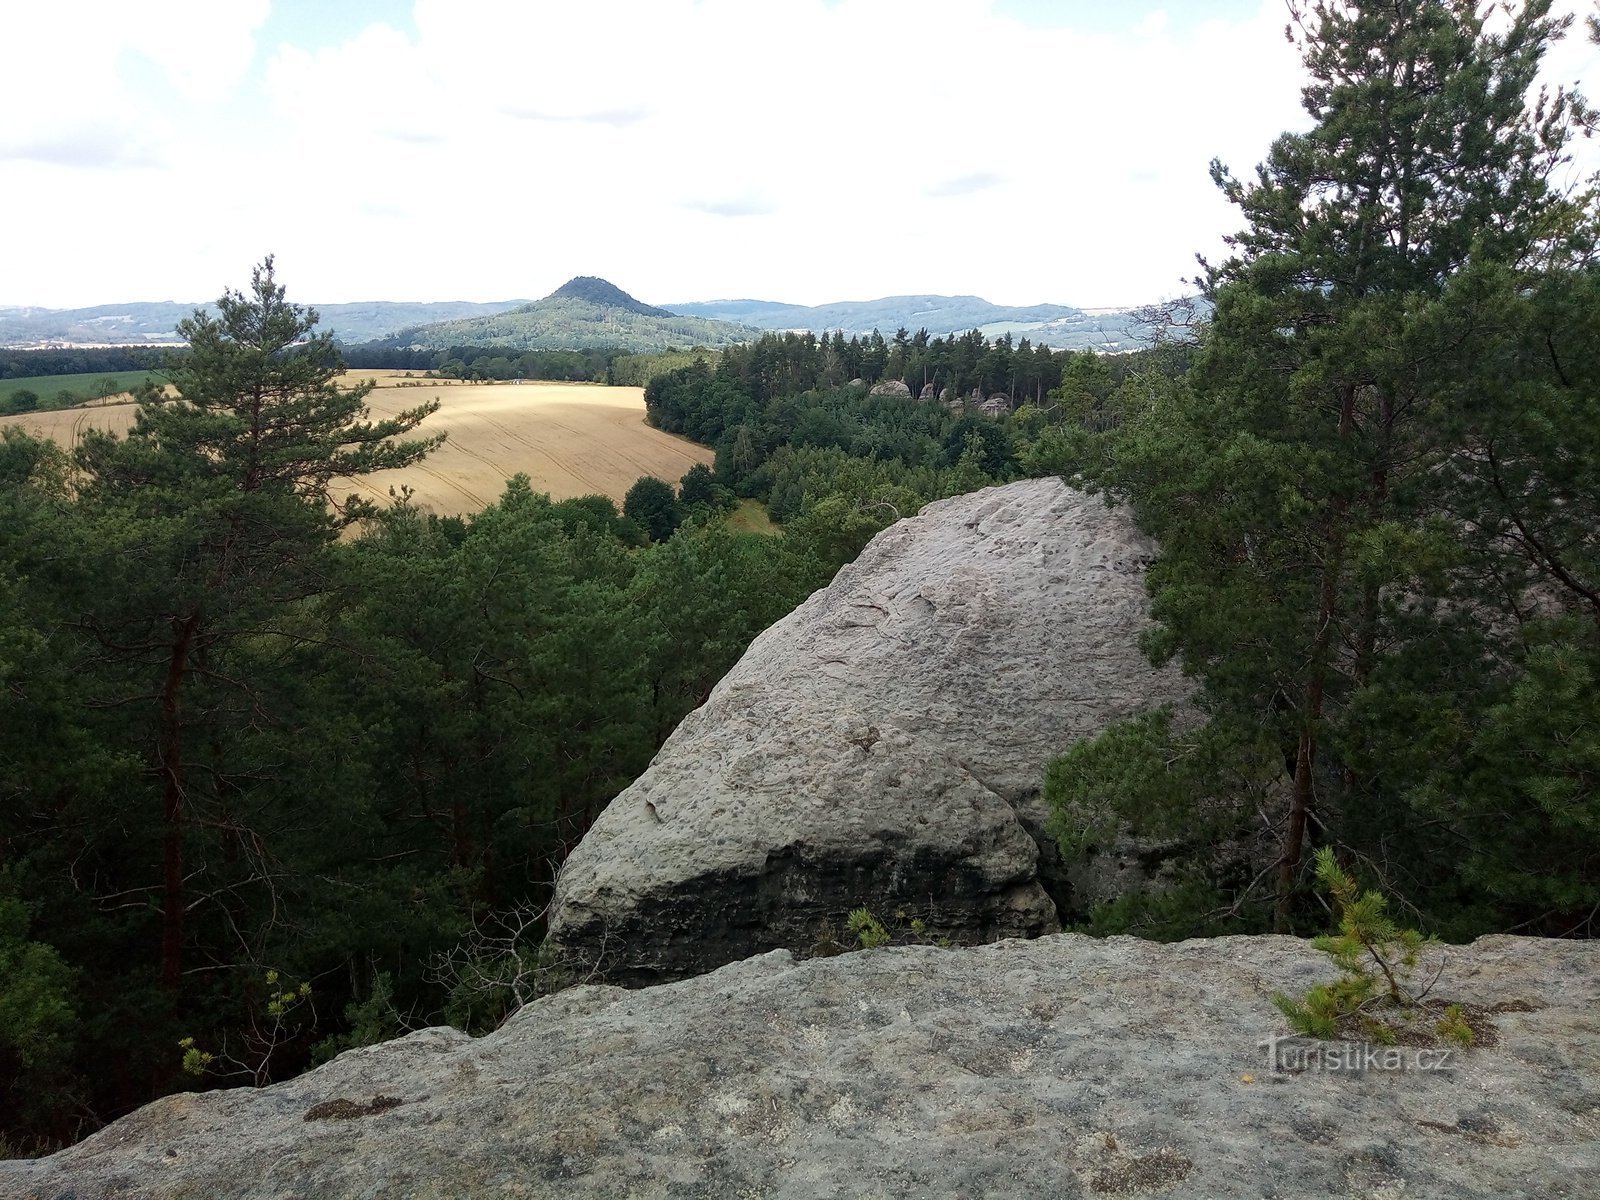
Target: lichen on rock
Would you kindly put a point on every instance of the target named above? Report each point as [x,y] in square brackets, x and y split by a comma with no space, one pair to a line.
[1061,1066]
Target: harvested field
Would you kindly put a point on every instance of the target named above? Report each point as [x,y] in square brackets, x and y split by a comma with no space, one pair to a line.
[66,425]
[570,439]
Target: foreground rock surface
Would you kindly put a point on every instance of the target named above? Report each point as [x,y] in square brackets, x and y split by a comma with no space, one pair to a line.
[1061,1067]
[882,746]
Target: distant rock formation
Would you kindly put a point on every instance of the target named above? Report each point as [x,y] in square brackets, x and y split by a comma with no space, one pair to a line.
[891,387]
[1061,1067]
[882,746]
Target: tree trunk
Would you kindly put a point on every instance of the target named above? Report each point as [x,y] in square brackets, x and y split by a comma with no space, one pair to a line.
[170,751]
[1302,799]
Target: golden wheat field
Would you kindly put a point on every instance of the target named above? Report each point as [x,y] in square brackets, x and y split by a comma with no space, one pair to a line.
[570,439]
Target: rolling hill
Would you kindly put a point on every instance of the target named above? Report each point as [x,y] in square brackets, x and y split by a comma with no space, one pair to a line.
[153,323]
[1055,325]
[587,312]
[583,312]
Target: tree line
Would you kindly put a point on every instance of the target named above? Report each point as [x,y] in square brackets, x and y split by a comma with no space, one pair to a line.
[486,362]
[789,433]
[948,368]
[83,360]
[589,365]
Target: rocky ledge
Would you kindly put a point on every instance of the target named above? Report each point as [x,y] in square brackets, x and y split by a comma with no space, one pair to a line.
[1060,1067]
[882,746]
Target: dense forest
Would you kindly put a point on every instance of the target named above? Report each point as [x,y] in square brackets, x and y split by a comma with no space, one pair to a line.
[775,362]
[278,778]
[789,432]
[273,773]
[602,364]
[80,360]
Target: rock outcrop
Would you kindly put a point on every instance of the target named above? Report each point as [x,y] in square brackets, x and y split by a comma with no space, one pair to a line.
[882,746]
[1061,1067]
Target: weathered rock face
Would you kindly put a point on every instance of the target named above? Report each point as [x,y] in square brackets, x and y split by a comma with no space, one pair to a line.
[882,746]
[1062,1067]
[891,387]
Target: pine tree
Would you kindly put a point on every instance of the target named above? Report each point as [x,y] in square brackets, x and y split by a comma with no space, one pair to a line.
[1293,476]
[212,515]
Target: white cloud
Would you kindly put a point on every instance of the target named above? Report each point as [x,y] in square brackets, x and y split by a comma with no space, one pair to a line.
[803,150]
[1152,26]
[90,81]
[965,185]
[203,47]
[379,85]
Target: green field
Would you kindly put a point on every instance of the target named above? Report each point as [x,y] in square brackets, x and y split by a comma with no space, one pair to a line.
[63,391]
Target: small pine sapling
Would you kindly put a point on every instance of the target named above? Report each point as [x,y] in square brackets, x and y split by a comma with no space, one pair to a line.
[1454,1026]
[868,929]
[1376,956]
[865,930]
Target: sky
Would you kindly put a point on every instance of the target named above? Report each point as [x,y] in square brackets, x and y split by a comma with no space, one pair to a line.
[806,151]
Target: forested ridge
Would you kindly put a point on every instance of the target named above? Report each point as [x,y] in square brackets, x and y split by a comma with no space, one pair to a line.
[278,778]
[794,421]
[600,364]
[82,360]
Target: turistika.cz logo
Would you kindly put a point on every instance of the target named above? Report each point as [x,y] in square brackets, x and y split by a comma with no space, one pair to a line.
[1293,1053]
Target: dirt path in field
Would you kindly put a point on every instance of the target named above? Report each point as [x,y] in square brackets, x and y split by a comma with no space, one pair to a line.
[569,439]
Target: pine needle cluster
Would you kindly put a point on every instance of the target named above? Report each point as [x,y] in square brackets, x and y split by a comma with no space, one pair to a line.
[1378,961]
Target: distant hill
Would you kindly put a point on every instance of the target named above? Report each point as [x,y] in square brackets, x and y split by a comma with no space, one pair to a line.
[587,312]
[153,323]
[1054,325]
[939,315]
[582,313]
[353,324]
[592,290]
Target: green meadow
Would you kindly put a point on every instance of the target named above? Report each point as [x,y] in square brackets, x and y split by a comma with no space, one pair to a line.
[63,391]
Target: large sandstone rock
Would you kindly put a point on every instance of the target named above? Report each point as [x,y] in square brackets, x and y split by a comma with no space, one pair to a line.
[1062,1067]
[882,746]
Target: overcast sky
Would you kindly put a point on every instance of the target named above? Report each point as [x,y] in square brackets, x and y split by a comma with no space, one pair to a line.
[796,150]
